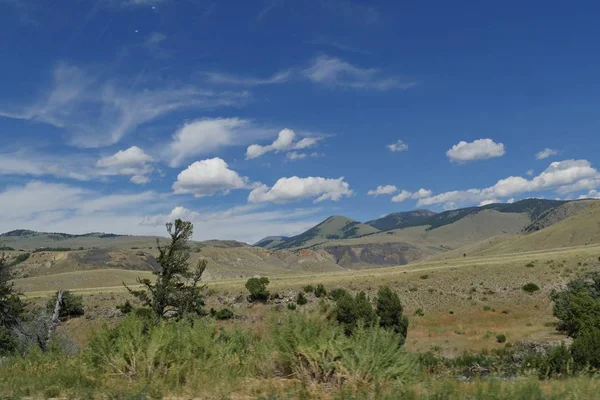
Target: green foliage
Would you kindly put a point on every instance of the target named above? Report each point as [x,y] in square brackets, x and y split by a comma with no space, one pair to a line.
[390,312]
[556,362]
[126,307]
[501,338]
[313,350]
[258,289]
[11,309]
[578,306]
[176,291]
[309,289]
[530,265]
[487,308]
[71,305]
[41,249]
[337,293]
[223,314]
[425,276]
[419,312]
[530,287]
[320,291]
[19,259]
[351,312]
[301,299]
[585,348]
[174,353]
[291,306]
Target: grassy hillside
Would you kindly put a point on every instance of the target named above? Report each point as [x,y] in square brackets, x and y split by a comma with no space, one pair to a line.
[581,229]
[554,215]
[534,208]
[333,228]
[270,242]
[402,220]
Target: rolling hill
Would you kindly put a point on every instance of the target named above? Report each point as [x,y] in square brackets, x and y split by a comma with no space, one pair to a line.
[333,228]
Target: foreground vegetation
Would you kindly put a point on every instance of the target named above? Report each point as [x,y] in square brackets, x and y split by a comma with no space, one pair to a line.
[345,344]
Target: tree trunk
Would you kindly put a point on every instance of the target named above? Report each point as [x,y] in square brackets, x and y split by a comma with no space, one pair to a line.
[54,320]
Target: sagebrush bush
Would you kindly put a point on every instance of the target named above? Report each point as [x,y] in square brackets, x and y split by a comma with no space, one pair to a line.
[320,291]
[308,289]
[335,294]
[315,350]
[223,314]
[501,338]
[301,299]
[530,287]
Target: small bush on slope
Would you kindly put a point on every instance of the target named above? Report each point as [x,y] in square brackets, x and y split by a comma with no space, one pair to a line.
[258,289]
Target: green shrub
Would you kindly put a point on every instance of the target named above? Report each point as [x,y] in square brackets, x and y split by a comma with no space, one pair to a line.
[425,276]
[501,338]
[19,259]
[335,294]
[71,305]
[291,306]
[313,350]
[223,314]
[530,265]
[390,312]
[352,311]
[556,362]
[585,348]
[578,306]
[301,299]
[530,287]
[126,307]
[320,291]
[419,312]
[258,289]
[309,289]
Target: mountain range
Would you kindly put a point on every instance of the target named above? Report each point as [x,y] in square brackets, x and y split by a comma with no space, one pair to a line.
[337,242]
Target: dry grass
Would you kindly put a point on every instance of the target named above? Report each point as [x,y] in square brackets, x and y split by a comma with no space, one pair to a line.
[463,286]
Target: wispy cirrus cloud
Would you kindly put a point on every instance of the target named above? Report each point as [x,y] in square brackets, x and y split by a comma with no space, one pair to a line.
[98,113]
[324,70]
[228,79]
[334,72]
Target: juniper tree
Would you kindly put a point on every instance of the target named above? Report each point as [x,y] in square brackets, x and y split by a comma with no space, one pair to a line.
[11,308]
[176,290]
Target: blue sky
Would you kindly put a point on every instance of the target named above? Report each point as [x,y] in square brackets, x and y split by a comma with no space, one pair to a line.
[264,117]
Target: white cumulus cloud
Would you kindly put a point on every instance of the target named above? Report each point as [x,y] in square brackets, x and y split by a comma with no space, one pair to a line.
[546,153]
[286,141]
[400,197]
[386,189]
[209,177]
[479,149]
[133,161]
[287,190]
[204,136]
[399,145]
[592,194]
[562,176]
[421,193]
